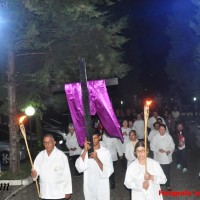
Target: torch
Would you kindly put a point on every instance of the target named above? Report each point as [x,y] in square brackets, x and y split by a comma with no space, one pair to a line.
[146,116]
[22,128]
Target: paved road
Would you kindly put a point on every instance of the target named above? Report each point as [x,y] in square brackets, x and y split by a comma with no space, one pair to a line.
[180,182]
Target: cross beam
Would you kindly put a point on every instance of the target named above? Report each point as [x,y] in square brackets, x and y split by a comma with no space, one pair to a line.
[85,98]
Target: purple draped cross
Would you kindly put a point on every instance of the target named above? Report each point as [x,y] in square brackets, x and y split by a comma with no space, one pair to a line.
[99,104]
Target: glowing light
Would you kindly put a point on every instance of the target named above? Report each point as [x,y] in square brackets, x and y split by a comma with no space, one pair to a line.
[30,111]
[148,103]
[21,119]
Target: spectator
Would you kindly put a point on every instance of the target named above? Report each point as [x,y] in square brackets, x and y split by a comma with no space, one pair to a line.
[180,138]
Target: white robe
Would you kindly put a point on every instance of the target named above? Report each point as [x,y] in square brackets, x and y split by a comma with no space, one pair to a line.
[152,134]
[138,126]
[114,146]
[126,138]
[152,120]
[96,182]
[71,142]
[135,177]
[55,175]
[164,142]
[129,152]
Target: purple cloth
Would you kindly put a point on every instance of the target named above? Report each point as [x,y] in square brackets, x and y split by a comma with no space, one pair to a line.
[99,104]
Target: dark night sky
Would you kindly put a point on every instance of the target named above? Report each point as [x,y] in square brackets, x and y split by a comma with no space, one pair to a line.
[148,20]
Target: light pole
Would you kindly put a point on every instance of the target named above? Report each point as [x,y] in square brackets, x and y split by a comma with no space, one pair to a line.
[30,111]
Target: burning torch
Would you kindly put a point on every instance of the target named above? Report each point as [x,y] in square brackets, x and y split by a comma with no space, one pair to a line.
[22,128]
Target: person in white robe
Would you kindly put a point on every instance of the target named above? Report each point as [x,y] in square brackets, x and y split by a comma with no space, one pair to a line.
[114,146]
[154,131]
[153,119]
[163,147]
[97,168]
[52,167]
[130,146]
[144,185]
[73,146]
[138,126]
[125,131]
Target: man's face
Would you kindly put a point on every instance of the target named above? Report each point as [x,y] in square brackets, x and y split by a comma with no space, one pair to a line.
[49,143]
[96,139]
[155,114]
[139,117]
[180,127]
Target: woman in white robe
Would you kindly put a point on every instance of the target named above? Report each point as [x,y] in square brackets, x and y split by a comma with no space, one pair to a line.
[129,151]
[144,186]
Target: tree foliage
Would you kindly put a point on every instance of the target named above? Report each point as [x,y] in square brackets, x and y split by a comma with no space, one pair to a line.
[180,61]
[48,38]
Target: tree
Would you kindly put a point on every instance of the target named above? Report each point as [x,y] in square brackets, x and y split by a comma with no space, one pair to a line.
[44,42]
[195,26]
[180,61]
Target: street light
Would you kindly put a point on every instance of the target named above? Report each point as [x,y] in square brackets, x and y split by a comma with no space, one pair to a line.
[30,111]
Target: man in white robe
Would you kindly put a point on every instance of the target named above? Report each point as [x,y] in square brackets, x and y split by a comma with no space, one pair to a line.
[52,166]
[73,146]
[114,146]
[153,119]
[97,168]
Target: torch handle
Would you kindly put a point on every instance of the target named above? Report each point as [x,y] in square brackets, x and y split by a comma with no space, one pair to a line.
[146,116]
[29,154]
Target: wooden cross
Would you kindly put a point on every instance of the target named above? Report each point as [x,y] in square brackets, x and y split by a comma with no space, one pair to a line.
[85,98]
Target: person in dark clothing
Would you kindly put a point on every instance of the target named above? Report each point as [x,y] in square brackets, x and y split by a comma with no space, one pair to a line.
[180,139]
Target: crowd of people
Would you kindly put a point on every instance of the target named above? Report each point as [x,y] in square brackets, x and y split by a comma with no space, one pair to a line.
[144,170]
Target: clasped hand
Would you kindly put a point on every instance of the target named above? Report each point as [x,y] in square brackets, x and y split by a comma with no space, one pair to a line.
[147,178]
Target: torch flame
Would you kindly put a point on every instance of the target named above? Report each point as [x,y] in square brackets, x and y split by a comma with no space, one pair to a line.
[148,103]
[21,119]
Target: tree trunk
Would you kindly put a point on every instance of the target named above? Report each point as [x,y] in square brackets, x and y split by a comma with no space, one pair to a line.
[13,126]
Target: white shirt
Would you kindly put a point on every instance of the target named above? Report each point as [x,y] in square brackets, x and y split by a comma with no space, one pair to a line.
[126,138]
[135,177]
[152,120]
[71,142]
[96,182]
[55,175]
[129,152]
[138,126]
[113,145]
[164,142]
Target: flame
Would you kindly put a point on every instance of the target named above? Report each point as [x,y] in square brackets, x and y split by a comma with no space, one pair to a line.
[148,103]
[21,119]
